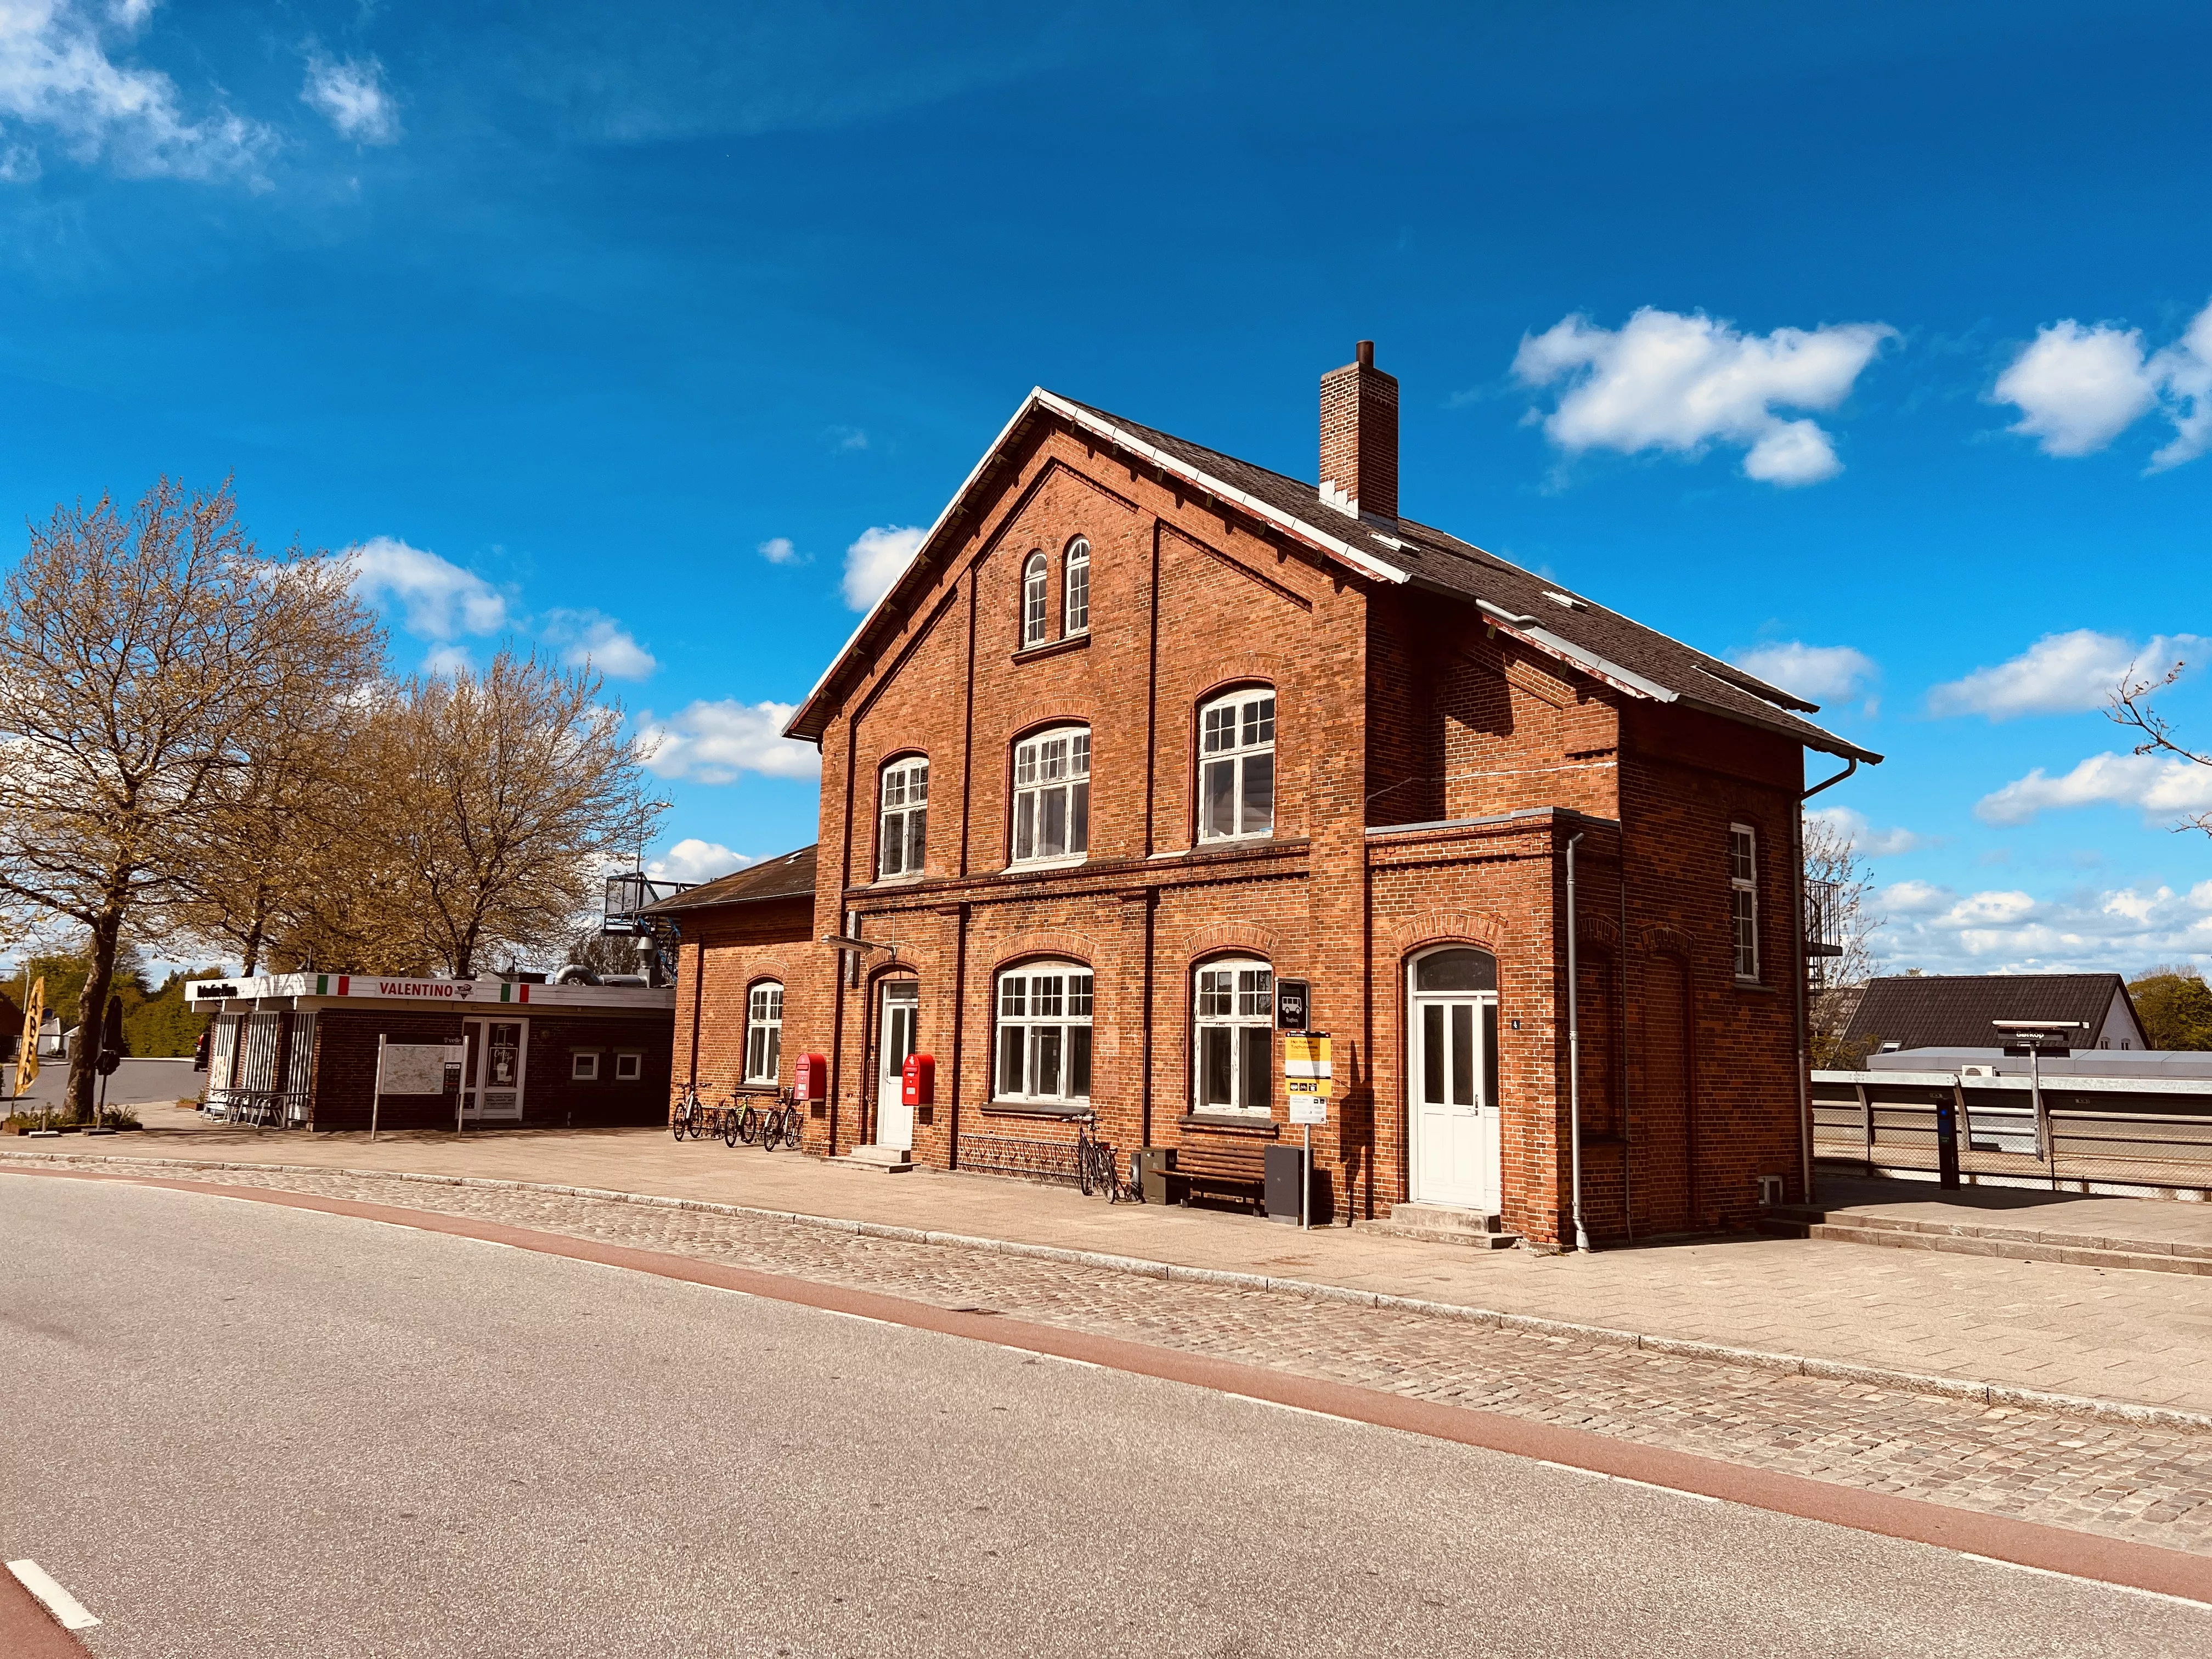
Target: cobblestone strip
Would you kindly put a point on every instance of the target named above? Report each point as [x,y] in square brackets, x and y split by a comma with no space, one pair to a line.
[2148,1483]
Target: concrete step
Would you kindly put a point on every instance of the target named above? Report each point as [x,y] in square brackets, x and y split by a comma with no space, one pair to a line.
[1441,1223]
[1997,1239]
[883,1160]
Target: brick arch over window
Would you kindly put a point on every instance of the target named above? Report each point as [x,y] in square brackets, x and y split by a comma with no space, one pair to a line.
[768,968]
[1249,668]
[1242,936]
[1066,946]
[1668,941]
[898,751]
[1029,718]
[1476,927]
[1598,930]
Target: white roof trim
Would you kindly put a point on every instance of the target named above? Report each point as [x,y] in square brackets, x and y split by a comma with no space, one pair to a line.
[1213,486]
[1526,629]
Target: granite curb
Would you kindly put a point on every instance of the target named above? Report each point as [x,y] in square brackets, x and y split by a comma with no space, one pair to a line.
[1992,1393]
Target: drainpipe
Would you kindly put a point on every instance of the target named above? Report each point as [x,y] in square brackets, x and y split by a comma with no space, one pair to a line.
[1797,960]
[1574,1052]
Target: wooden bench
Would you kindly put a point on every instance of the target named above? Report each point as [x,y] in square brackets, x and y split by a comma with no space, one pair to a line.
[1237,1169]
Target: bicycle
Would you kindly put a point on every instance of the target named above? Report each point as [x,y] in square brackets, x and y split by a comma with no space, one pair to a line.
[770,1126]
[688,1117]
[1095,1169]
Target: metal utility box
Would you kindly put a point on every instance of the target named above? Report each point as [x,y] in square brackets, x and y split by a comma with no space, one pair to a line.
[810,1078]
[1286,1167]
[918,1080]
[1153,1164]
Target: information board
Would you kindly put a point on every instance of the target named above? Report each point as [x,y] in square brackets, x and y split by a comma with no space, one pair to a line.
[419,1068]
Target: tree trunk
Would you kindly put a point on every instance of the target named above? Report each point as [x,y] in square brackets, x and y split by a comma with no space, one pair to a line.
[92,1015]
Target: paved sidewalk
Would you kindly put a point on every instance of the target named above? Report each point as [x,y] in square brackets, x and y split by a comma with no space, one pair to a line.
[2146,1226]
[2136,1337]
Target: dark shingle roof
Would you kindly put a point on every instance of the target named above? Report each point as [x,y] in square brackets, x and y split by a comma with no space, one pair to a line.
[1600,643]
[1928,1011]
[790,876]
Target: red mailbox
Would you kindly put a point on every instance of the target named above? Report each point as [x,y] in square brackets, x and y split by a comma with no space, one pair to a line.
[918,1081]
[810,1078]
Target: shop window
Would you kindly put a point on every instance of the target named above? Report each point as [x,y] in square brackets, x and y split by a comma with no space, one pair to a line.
[764,1032]
[905,817]
[584,1066]
[1034,618]
[1235,1050]
[1044,1034]
[1237,766]
[1052,795]
[628,1068]
[1743,897]
[1077,588]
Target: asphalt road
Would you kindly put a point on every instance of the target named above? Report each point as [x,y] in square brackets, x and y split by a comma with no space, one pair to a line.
[241,1431]
[135,1082]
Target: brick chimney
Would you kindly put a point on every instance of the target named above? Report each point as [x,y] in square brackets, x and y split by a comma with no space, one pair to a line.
[1359,437]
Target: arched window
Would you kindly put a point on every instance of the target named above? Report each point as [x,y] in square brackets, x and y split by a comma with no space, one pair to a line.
[1033,601]
[905,817]
[1235,1022]
[1044,1033]
[1459,969]
[1077,587]
[1052,794]
[1237,765]
[764,1032]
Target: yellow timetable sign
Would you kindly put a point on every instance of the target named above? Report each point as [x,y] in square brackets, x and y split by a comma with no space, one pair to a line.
[1306,1064]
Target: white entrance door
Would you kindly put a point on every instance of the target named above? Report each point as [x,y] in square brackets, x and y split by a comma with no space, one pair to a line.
[491,1071]
[1455,1151]
[899,1002]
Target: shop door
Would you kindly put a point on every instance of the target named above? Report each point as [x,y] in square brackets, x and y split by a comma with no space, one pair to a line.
[899,1002]
[491,1071]
[1453,1118]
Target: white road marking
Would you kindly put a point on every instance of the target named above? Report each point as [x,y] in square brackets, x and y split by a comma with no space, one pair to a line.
[2098,1583]
[67,1610]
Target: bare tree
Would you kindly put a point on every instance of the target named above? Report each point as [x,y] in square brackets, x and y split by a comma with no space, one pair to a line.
[139,656]
[2130,706]
[500,798]
[1835,872]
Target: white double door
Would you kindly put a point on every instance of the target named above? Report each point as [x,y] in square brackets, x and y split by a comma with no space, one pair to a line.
[492,1070]
[898,1003]
[1456,1152]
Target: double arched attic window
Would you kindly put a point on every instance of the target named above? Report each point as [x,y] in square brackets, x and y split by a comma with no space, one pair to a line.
[1074,594]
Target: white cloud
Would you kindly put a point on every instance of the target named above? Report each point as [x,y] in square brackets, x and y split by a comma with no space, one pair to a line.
[1869,841]
[2159,788]
[351,93]
[1664,380]
[848,437]
[695,861]
[2078,388]
[2061,674]
[443,661]
[439,598]
[585,637]
[876,561]
[2006,931]
[56,73]
[778,550]
[1819,673]
[716,742]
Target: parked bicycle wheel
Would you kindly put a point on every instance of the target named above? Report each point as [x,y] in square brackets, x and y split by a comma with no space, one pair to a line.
[729,1116]
[792,1123]
[748,1124]
[676,1121]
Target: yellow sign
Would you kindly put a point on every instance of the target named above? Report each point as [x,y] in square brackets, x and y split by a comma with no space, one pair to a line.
[1306,1068]
[34,1014]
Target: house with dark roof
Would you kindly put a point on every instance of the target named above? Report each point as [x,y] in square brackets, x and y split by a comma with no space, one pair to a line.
[1151,751]
[741,939]
[1954,1011]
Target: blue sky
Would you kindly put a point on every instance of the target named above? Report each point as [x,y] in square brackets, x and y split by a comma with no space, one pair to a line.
[1854,345]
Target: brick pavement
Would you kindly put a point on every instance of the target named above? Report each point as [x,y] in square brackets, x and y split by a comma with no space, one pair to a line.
[2147,1485]
[2139,1337]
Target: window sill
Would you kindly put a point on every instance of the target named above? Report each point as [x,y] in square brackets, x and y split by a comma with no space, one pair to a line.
[904,878]
[756,1089]
[1264,1127]
[1759,987]
[1033,1109]
[1042,866]
[1052,647]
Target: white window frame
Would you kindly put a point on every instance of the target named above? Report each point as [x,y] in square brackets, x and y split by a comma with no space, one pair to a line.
[1052,770]
[1233,1017]
[1236,739]
[1075,589]
[1743,900]
[629,1066]
[1041,1015]
[764,1031]
[902,817]
[1037,612]
[583,1066]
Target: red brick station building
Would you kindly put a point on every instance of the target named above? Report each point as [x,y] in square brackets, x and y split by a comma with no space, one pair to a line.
[1144,730]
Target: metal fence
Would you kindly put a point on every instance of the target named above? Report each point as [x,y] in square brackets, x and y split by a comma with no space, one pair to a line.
[2084,1134]
[1016,1155]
